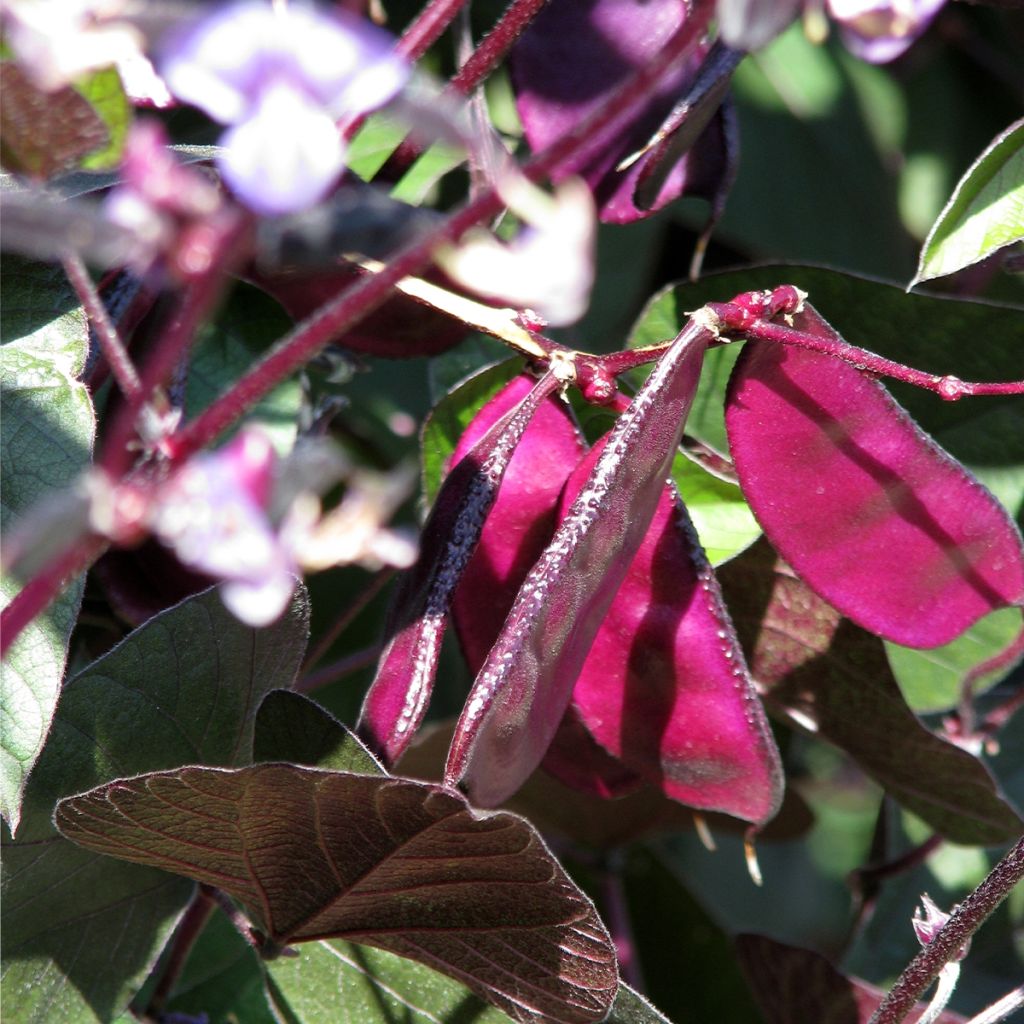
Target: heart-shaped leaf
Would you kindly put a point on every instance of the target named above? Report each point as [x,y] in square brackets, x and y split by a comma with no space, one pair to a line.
[985,212]
[665,687]
[404,866]
[835,679]
[868,510]
[397,700]
[523,688]
[82,931]
[47,431]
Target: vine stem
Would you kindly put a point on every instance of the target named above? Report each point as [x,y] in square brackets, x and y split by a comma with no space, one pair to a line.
[962,924]
[426,28]
[1001,1008]
[949,388]
[37,594]
[189,929]
[209,260]
[339,315]
[110,342]
[478,66]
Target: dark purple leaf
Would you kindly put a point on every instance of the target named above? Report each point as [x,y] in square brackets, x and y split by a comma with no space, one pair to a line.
[397,699]
[572,56]
[874,515]
[401,865]
[794,986]
[523,688]
[665,687]
[834,679]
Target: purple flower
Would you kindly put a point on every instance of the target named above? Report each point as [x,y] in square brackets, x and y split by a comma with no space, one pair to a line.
[281,78]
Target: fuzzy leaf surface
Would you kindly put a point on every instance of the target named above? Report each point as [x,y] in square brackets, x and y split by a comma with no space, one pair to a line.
[665,687]
[874,515]
[985,212]
[835,678]
[404,866]
[81,931]
[524,687]
[47,432]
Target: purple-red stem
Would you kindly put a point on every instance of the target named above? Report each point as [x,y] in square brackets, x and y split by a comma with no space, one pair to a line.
[620,926]
[45,586]
[1008,656]
[338,669]
[224,250]
[484,59]
[111,345]
[949,388]
[339,315]
[190,927]
[347,617]
[426,28]
[962,924]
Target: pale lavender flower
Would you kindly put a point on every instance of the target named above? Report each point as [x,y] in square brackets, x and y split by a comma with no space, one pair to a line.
[281,77]
[929,920]
[881,30]
[212,513]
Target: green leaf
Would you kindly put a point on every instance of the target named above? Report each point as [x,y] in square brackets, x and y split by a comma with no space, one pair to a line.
[105,94]
[293,728]
[931,680]
[333,979]
[248,324]
[722,518]
[46,435]
[337,980]
[985,212]
[401,865]
[82,931]
[450,417]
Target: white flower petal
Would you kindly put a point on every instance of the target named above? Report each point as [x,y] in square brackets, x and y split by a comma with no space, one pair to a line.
[261,602]
[284,158]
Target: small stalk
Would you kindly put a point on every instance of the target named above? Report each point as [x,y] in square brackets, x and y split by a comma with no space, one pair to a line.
[347,617]
[620,925]
[427,27]
[948,387]
[951,938]
[44,587]
[211,265]
[338,669]
[111,345]
[1001,1009]
[481,63]
[189,929]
